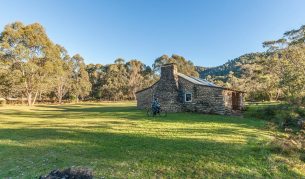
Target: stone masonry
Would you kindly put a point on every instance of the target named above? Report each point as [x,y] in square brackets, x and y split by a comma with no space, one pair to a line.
[172,88]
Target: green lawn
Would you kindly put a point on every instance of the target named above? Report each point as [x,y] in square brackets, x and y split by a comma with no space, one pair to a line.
[118,141]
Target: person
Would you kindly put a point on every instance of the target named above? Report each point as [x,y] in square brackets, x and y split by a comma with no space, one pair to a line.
[155,106]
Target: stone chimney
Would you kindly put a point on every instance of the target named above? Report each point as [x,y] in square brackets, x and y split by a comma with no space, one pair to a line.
[166,89]
[169,72]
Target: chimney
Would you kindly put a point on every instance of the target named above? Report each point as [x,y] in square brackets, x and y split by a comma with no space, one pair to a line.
[169,72]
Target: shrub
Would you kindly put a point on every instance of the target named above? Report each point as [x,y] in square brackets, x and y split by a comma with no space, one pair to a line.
[300,111]
[301,123]
[72,98]
[269,112]
[266,113]
[2,102]
[286,118]
[302,156]
[283,115]
[287,145]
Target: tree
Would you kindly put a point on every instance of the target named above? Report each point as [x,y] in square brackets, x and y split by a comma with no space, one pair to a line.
[135,77]
[289,65]
[115,85]
[9,81]
[287,57]
[295,36]
[27,49]
[149,77]
[96,74]
[81,84]
[62,73]
[184,66]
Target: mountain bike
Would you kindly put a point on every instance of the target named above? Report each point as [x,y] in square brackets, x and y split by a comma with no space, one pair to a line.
[161,113]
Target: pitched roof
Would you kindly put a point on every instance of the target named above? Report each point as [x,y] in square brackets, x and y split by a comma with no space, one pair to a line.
[204,82]
[198,81]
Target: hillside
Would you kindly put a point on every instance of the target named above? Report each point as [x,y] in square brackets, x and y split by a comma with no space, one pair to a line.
[232,65]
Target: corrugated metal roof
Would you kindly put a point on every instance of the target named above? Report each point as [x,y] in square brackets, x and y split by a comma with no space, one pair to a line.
[198,81]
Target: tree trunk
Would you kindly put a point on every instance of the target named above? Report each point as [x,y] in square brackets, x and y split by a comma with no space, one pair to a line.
[60,99]
[270,96]
[59,94]
[40,97]
[22,99]
[36,94]
[29,96]
[277,95]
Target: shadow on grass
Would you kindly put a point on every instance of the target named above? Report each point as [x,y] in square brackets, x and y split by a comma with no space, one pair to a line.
[38,150]
[76,112]
[119,154]
[129,112]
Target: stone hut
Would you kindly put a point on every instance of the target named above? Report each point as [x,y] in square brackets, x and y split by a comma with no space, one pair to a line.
[177,92]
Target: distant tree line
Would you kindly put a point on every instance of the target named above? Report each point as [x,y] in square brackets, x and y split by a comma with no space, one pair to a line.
[35,68]
[276,74]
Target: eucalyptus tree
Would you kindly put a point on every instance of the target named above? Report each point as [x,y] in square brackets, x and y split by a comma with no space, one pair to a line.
[27,49]
[9,80]
[115,85]
[61,74]
[287,58]
[184,66]
[96,74]
[289,65]
[81,85]
[135,70]
[150,77]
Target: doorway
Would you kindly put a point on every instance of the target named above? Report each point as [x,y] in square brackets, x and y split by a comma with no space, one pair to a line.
[235,101]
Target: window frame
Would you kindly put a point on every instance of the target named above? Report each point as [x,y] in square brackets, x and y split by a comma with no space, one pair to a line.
[188,93]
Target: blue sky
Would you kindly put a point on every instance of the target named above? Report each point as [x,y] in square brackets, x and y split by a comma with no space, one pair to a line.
[209,33]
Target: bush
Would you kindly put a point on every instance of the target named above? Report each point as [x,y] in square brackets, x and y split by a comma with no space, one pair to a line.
[269,112]
[286,118]
[2,102]
[283,115]
[289,143]
[285,146]
[266,113]
[72,98]
[300,111]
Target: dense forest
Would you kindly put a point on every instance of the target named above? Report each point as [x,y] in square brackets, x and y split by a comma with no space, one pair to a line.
[35,68]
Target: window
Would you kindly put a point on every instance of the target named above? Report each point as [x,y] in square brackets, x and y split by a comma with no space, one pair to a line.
[188,97]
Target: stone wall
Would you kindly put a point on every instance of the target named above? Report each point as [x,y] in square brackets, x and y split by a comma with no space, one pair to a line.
[166,90]
[144,98]
[204,99]
[228,94]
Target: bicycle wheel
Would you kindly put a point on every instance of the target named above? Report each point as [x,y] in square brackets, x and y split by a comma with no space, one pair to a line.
[163,113]
[149,113]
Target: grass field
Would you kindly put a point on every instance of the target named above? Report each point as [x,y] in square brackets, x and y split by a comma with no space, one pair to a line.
[116,140]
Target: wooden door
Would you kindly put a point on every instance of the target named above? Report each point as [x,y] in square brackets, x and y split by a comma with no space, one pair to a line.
[235,105]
